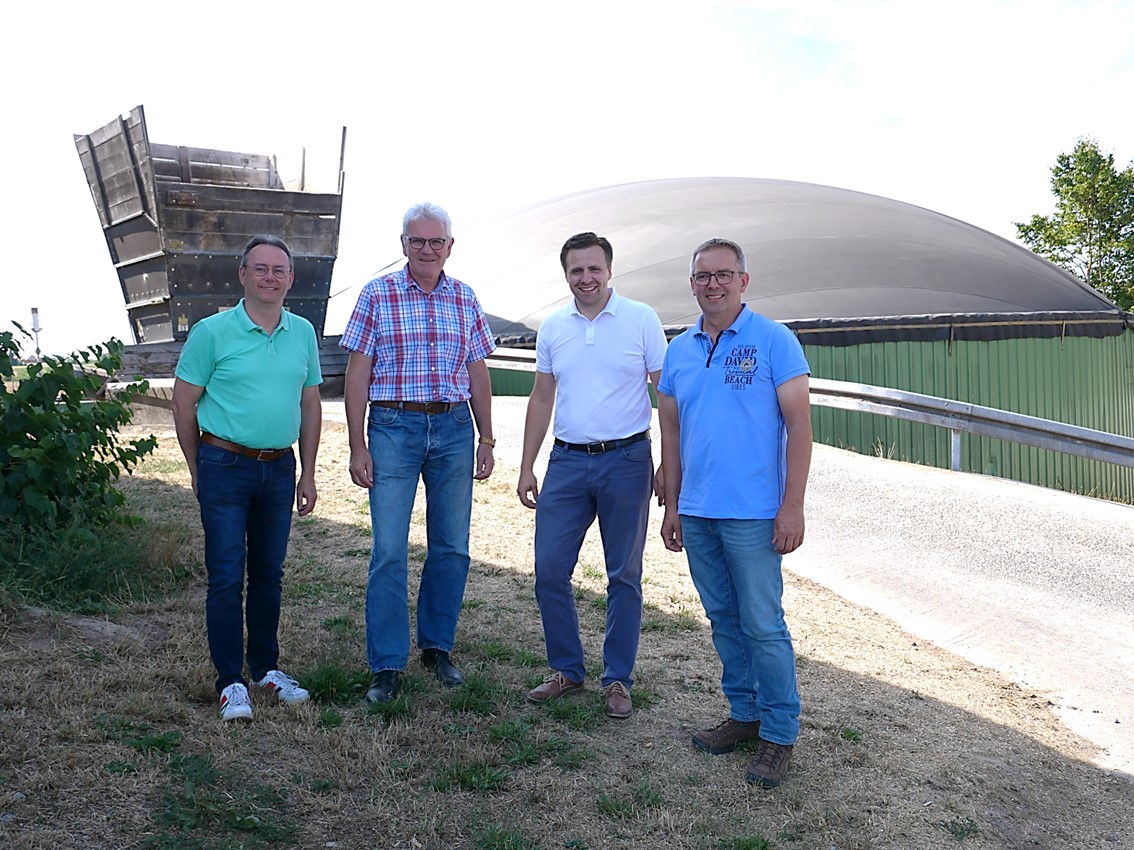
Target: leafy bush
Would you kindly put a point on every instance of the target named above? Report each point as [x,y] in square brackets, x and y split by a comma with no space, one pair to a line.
[60,452]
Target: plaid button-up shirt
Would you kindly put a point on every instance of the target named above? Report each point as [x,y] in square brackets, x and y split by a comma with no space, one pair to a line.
[421,343]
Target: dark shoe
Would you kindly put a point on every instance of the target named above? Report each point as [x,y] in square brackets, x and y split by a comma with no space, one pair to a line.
[771,765]
[555,685]
[438,661]
[384,686]
[618,702]
[726,736]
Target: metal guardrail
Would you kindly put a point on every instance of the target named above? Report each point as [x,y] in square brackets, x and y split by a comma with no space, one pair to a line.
[958,416]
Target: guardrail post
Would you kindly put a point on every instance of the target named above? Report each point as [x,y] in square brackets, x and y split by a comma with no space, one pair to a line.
[955,450]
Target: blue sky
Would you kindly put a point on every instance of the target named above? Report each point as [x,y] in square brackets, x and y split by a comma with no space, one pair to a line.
[488,107]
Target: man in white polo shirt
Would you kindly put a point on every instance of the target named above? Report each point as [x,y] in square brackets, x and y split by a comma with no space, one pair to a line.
[593,357]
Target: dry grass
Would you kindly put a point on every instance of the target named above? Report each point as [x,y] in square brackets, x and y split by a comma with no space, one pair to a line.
[109,735]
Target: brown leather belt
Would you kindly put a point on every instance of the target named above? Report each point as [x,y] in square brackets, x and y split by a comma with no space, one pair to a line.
[259,454]
[419,406]
[605,445]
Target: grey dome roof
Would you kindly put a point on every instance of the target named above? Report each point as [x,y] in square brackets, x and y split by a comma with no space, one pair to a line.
[814,253]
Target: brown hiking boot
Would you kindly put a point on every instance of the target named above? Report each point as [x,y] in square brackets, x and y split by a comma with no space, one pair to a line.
[726,736]
[770,768]
[555,685]
[618,702]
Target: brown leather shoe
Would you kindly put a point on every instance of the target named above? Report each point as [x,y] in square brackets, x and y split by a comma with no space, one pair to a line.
[770,767]
[555,685]
[618,702]
[726,736]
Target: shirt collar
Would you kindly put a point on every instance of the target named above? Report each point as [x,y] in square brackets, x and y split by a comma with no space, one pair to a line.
[611,305]
[247,324]
[742,319]
[407,279]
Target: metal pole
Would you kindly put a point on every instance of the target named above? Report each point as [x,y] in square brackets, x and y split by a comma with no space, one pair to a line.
[955,451]
[35,329]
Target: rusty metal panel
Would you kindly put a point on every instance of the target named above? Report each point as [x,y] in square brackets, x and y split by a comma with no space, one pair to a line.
[176,220]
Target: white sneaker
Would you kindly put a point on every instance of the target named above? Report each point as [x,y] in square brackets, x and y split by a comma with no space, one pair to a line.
[283,686]
[234,703]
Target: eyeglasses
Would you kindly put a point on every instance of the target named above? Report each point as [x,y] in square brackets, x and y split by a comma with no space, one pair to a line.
[262,271]
[724,278]
[417,243]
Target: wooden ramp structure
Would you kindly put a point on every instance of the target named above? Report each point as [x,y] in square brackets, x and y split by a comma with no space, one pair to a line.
[176,220]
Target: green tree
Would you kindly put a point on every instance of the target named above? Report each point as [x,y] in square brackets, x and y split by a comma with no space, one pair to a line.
[1091,233]
[60,452]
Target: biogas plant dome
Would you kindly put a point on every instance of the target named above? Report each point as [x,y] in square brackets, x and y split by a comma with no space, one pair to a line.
[840,267]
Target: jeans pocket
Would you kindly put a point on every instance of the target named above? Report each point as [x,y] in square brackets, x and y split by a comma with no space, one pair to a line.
[461,413]
[380,416]
[639,452]
[215,456]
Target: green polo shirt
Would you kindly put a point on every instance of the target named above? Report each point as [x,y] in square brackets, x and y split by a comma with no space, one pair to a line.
[253,381]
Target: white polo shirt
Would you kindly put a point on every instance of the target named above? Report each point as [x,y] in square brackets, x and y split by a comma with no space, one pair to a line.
[600,368]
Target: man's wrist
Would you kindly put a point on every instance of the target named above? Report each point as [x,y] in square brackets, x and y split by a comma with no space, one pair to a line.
[488,441]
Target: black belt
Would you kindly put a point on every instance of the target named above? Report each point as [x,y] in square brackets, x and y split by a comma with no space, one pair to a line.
[605,445]
[419,406]
[260,454]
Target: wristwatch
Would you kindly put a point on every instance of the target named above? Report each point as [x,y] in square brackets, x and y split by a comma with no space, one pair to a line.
[488,441]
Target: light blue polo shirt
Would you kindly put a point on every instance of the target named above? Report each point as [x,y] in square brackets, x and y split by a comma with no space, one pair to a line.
[733,438]
[253,381]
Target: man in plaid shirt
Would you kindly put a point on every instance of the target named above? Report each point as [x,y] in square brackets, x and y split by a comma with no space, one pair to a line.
[415,382]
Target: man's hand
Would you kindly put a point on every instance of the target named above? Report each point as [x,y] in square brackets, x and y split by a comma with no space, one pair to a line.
[787,532]
[361,468]
[528,489]
[305,495]
[485,462]
[659,486]
[671,530]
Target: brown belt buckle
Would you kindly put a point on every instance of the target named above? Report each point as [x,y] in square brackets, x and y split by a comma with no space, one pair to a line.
[435,406]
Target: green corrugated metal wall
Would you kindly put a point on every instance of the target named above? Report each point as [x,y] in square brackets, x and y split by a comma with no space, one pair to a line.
[1077,380]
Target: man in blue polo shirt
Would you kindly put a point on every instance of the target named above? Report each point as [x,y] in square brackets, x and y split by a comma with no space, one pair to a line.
[593,357]
[247,387]
[733,404]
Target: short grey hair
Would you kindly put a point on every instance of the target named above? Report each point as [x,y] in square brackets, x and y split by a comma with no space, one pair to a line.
[717,242]
[264,239]
[427,212]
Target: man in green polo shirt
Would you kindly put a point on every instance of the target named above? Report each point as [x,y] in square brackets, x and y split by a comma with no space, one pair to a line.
[247,387]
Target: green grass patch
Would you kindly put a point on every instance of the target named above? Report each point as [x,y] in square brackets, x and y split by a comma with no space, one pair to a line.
[509,731]
[643,797]
[333,684]
[849,733]
[479,695]
[233,816]
[496,836]
[474,777]
[197,769]
[399,708]
[960,829]
[578,714]
[342,627]
[330,719]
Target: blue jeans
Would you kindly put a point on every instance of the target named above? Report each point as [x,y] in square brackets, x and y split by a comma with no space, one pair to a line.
[737,573]
[246,513]
[438,449]
[615,485]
